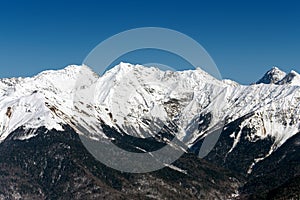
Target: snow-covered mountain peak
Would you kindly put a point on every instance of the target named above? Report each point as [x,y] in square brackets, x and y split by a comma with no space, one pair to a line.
[43,100]
[292,78]
[272,76]
[153,73]
[69,72]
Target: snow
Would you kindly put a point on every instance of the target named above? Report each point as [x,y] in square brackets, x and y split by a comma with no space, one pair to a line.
[292,78]
[177,169]
[32,99]
[24,109]
[140,100]
[272,76]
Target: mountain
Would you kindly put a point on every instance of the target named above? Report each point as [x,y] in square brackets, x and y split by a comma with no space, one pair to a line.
[292,78]
[276,76]
[272,76]
[41,118]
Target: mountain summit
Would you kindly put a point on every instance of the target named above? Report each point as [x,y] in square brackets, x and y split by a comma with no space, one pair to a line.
[292,78]
[272,76]
[276,76]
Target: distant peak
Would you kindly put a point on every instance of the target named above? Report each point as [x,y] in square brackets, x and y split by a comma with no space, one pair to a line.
[275,69]
[292,78]
[273,76]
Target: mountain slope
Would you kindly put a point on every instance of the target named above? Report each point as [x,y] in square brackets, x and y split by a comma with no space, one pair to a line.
[55,165]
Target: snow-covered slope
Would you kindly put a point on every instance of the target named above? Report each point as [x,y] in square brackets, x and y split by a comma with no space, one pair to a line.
[140,100]
[43,100]
[135,94]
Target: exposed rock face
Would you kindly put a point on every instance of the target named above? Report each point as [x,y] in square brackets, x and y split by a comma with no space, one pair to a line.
[9,112]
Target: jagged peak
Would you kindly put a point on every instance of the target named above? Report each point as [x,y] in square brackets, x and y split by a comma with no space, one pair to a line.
[273,76]
[292,78]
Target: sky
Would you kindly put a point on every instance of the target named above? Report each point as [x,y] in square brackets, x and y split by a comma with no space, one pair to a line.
[244,38]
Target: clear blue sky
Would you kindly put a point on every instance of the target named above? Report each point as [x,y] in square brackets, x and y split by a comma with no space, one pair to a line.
[245,38]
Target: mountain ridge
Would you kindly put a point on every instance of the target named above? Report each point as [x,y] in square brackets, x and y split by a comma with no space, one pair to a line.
[191,83]
[131,101]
